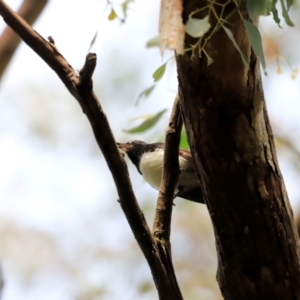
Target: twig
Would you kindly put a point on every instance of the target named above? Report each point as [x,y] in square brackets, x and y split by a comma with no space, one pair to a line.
[80,86]
[88,69]
[9,40]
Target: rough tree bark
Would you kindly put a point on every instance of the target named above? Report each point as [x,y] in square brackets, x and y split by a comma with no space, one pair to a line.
[232,143]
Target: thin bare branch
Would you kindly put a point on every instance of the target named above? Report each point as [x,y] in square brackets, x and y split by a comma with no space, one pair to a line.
[9,40]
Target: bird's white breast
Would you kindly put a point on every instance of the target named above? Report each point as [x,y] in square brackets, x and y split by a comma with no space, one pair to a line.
[151,165]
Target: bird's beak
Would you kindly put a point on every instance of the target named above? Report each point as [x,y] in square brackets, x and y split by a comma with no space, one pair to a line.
[124,147]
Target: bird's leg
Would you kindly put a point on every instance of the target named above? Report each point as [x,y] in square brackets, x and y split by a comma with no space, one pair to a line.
[180,191]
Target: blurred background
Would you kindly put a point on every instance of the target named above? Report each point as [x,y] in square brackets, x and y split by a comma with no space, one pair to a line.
[63,233]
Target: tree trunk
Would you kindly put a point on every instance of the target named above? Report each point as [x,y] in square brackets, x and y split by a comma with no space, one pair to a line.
[232,143]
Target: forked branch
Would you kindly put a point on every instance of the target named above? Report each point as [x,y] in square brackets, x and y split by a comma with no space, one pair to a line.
[81,87]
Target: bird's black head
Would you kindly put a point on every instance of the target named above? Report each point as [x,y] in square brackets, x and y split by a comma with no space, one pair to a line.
[135,150]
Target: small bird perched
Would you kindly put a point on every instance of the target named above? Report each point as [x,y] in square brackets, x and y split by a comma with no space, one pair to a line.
[148,159]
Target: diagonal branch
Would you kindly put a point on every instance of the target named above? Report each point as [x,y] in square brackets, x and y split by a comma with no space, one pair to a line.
[81,87]
[9,40]
[162,220]
[163,216]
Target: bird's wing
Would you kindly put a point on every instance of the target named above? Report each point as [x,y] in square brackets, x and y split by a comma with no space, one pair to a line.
[185,154]
[189,165]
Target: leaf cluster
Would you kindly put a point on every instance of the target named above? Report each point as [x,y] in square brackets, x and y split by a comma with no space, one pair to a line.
[203,30]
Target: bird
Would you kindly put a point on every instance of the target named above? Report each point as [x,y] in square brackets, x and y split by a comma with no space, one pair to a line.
[148,159]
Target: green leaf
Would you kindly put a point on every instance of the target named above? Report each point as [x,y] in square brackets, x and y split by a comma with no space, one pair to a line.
[93,41]
[258,8]
[125,6]
[285,14]
[112,15]
[209,59]
[144,117]
[289,3]
[154,42]
[256,42]
[231,37]
[183,140]
[146,92]
[275,16]
[159,73]
[145,287]
[197,27]
[147,124]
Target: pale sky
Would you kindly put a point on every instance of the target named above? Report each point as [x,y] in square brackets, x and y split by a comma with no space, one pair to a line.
[57,185]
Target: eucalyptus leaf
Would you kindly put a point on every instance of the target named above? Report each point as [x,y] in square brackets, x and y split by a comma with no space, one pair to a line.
[146,92]
[209,59]
[256,42]
[258,8]
[93,41]
[275,16]
[112,15]
[289,3]
[154,42]
[159,72]
[147,124]
[125,6]
[231,37]
[285,14]
[197,27]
